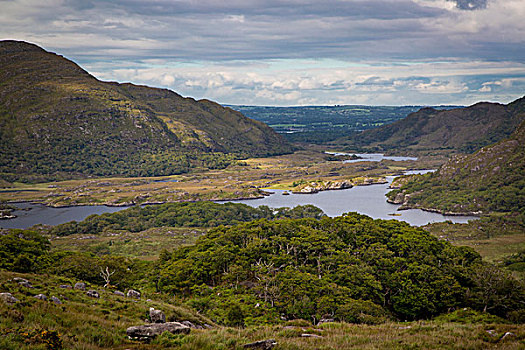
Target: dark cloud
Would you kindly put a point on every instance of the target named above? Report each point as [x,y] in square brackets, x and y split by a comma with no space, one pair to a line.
[134,34]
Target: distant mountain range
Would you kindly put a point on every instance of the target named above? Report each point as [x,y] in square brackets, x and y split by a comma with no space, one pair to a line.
[56,120]
[460,129]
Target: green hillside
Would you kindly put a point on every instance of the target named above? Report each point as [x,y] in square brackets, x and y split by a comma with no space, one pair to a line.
[490,180]
[461,129]
[58,121]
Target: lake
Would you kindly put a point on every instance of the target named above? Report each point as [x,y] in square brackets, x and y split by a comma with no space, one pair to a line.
[369,200]
[370,157]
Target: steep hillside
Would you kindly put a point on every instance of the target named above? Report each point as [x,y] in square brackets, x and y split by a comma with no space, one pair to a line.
[461,129]
[490,180]
[57,120]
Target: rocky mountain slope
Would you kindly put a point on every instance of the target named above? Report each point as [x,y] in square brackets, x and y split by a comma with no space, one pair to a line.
[490,180]
[461,129]
[57,120]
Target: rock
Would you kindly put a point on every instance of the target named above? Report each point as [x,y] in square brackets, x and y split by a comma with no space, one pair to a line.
[41,297]
[25,284]
[119,293]
[65,286]
[191,325]
[133,294]
[55,300]
[325,320]
[261,344]
[507,335]
[308,335]
[156,316]
[93,294]
[20,279]
[80,285]
[492,332]
[149,331]
[8,298]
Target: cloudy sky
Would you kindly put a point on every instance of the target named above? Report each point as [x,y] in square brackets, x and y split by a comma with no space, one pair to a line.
[290,52]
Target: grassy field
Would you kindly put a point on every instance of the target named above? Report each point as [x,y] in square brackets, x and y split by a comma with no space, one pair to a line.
[239,181]
[145,245]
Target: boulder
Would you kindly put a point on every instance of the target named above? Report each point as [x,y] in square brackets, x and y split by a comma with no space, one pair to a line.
[261,344]
[65,286]
[156,316]
[325,320]
[20,279]
[119,293]
[8,298]
[55,300]
[93,294]
[25,284]
[133,294]
[80,285]
[150,331]
[507,335]
[41,297]
[191,325]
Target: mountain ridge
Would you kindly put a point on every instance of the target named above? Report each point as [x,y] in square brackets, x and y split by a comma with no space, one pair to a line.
[56,119]
[459,130]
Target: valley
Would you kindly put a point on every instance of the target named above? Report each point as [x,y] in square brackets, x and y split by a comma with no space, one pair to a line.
[193,243]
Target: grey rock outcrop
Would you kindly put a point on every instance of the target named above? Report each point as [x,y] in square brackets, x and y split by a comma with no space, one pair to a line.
[55,300]
[8,298]
[20,279]
[41,297]
[133,294]
[191,325]
[119,293]
[93,294]
[157,316]
[65,286]
[150,331]
[26,284]
[80,285]
[261,344]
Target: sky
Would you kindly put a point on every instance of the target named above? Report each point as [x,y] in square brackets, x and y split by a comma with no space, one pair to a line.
[290,52]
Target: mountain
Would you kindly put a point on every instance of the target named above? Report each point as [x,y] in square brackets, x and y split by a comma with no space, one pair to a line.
[460,129]
[490,180]
[57,120]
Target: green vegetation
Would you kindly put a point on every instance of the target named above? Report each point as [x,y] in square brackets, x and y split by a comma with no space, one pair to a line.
[491,180]
[274,277]
[59,122]
[430,130]
[197,214]
[350,268]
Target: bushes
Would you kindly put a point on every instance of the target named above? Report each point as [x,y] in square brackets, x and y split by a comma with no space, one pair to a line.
[20,249]
[352,268]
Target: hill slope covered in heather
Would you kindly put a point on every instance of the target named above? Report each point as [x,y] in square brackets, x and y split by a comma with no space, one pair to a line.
[56,120]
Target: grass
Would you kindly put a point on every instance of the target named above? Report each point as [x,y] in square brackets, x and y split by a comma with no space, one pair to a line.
[145,245]
[86,323]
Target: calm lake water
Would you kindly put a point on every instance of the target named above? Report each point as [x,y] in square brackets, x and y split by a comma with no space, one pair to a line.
[370,157]
[368,200]
[40,214]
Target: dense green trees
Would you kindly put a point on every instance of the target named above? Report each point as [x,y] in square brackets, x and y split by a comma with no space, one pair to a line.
[188,214]
[350,268]
[20,250]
